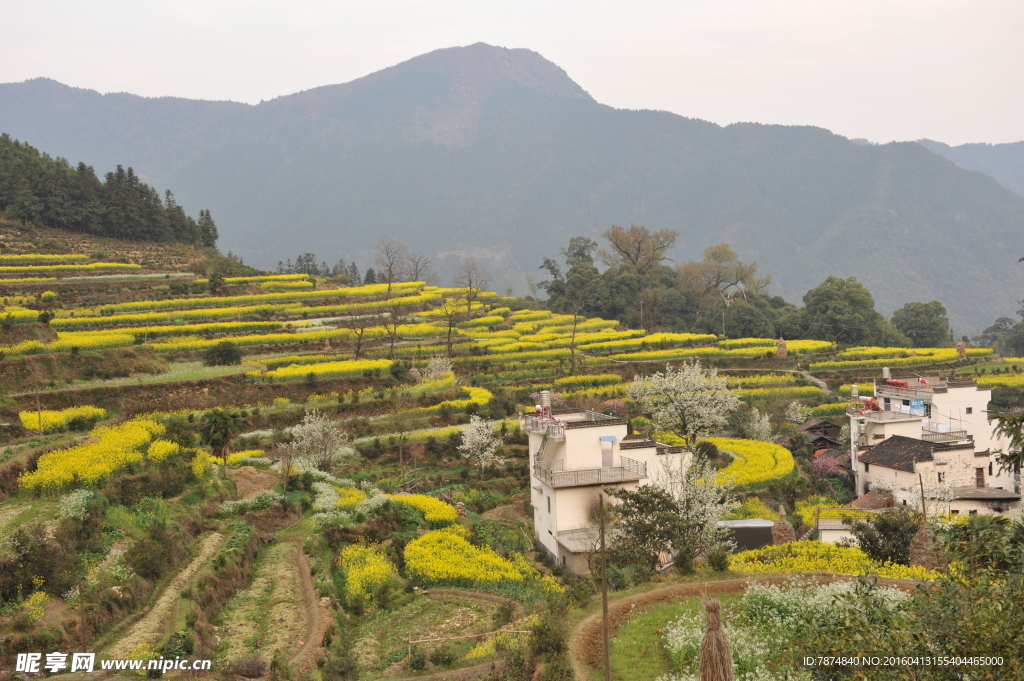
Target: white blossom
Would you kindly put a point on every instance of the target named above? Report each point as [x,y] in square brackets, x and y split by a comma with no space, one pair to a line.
[797,413]
[759,427]
[480,442]
[73,505]
[689,401]
[701,497]
[318,440]
[438,366]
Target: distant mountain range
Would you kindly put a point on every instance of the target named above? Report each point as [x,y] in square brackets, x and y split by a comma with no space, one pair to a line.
[498,154]
[1005,162]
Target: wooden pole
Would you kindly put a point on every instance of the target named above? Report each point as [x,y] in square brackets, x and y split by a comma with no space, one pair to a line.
[39,413]
[604,596]
[924,509]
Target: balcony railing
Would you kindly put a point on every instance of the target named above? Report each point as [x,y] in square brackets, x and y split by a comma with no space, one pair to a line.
[629,470]
[552,429]
[882,390]
[951,436]
[853,410]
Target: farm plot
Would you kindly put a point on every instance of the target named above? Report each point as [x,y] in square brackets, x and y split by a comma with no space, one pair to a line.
[270,615]
[151,627]
[382,637]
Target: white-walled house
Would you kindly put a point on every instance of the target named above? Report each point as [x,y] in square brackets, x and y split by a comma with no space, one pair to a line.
[574,455]
[932,430]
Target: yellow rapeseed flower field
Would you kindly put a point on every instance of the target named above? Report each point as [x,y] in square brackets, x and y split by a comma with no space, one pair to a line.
[91,463]
[56,420]
[365,570]
[435,511]
[809,557]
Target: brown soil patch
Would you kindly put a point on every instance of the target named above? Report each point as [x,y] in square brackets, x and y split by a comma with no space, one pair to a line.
[509,513]
[251,481]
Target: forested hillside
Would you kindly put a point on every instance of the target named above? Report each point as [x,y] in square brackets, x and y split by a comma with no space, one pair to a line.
[38,189]
[1005,162]
[499,155]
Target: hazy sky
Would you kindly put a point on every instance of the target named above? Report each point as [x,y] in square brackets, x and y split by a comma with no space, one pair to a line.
[950,70]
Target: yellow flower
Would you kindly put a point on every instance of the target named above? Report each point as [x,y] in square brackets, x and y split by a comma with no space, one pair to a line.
[806,557]
[365,570]
[434,510]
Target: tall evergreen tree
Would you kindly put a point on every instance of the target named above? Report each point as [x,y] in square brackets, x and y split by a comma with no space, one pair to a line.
[207,229]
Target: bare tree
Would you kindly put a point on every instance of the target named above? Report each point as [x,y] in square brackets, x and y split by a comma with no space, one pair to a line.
[473,278]
[359,327]
[452,314]
[391,323]
[417,267]
[390,260]
[285,455]
[637,246]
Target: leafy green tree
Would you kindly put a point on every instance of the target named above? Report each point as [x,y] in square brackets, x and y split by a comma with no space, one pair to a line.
[224,353]
[648,521]
[217,428]
[1010,425]
[886,536]
[843,311]
[925,324]
[638,247]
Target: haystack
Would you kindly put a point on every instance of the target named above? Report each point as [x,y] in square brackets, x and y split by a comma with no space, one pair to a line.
[782,530]
[925,550]
[715,658]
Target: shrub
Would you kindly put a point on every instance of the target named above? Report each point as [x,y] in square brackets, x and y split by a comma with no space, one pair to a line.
[718,559]
[443,656]
[250,667]
[224,353]
[417,659]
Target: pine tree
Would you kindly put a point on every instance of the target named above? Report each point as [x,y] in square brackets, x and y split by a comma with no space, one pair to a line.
[207,229]
[371,276]
[353,273]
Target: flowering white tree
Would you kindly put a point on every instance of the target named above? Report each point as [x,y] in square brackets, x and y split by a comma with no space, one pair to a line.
[480,442]
[689,401]
[702,500]
[797,413]
[318,440]
[759,426]
[438,366]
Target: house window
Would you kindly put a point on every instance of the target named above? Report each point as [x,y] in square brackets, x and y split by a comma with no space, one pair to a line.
[549,504]
[990,468]
[942,478]
[867,466]
[969,410]
[904,502]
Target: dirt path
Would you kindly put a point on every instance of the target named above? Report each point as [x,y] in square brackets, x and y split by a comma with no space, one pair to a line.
[269,615]
[317,616]
[151,626]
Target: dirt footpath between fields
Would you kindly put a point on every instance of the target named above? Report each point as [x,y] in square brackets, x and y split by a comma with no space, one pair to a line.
[586,643]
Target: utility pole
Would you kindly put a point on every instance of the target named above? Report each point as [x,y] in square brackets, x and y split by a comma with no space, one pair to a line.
[604,595]
[39,414]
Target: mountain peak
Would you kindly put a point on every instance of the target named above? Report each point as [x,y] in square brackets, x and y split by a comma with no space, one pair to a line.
[476,69]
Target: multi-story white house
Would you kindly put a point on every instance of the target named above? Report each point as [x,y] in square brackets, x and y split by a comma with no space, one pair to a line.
[574,454]
[931,431]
